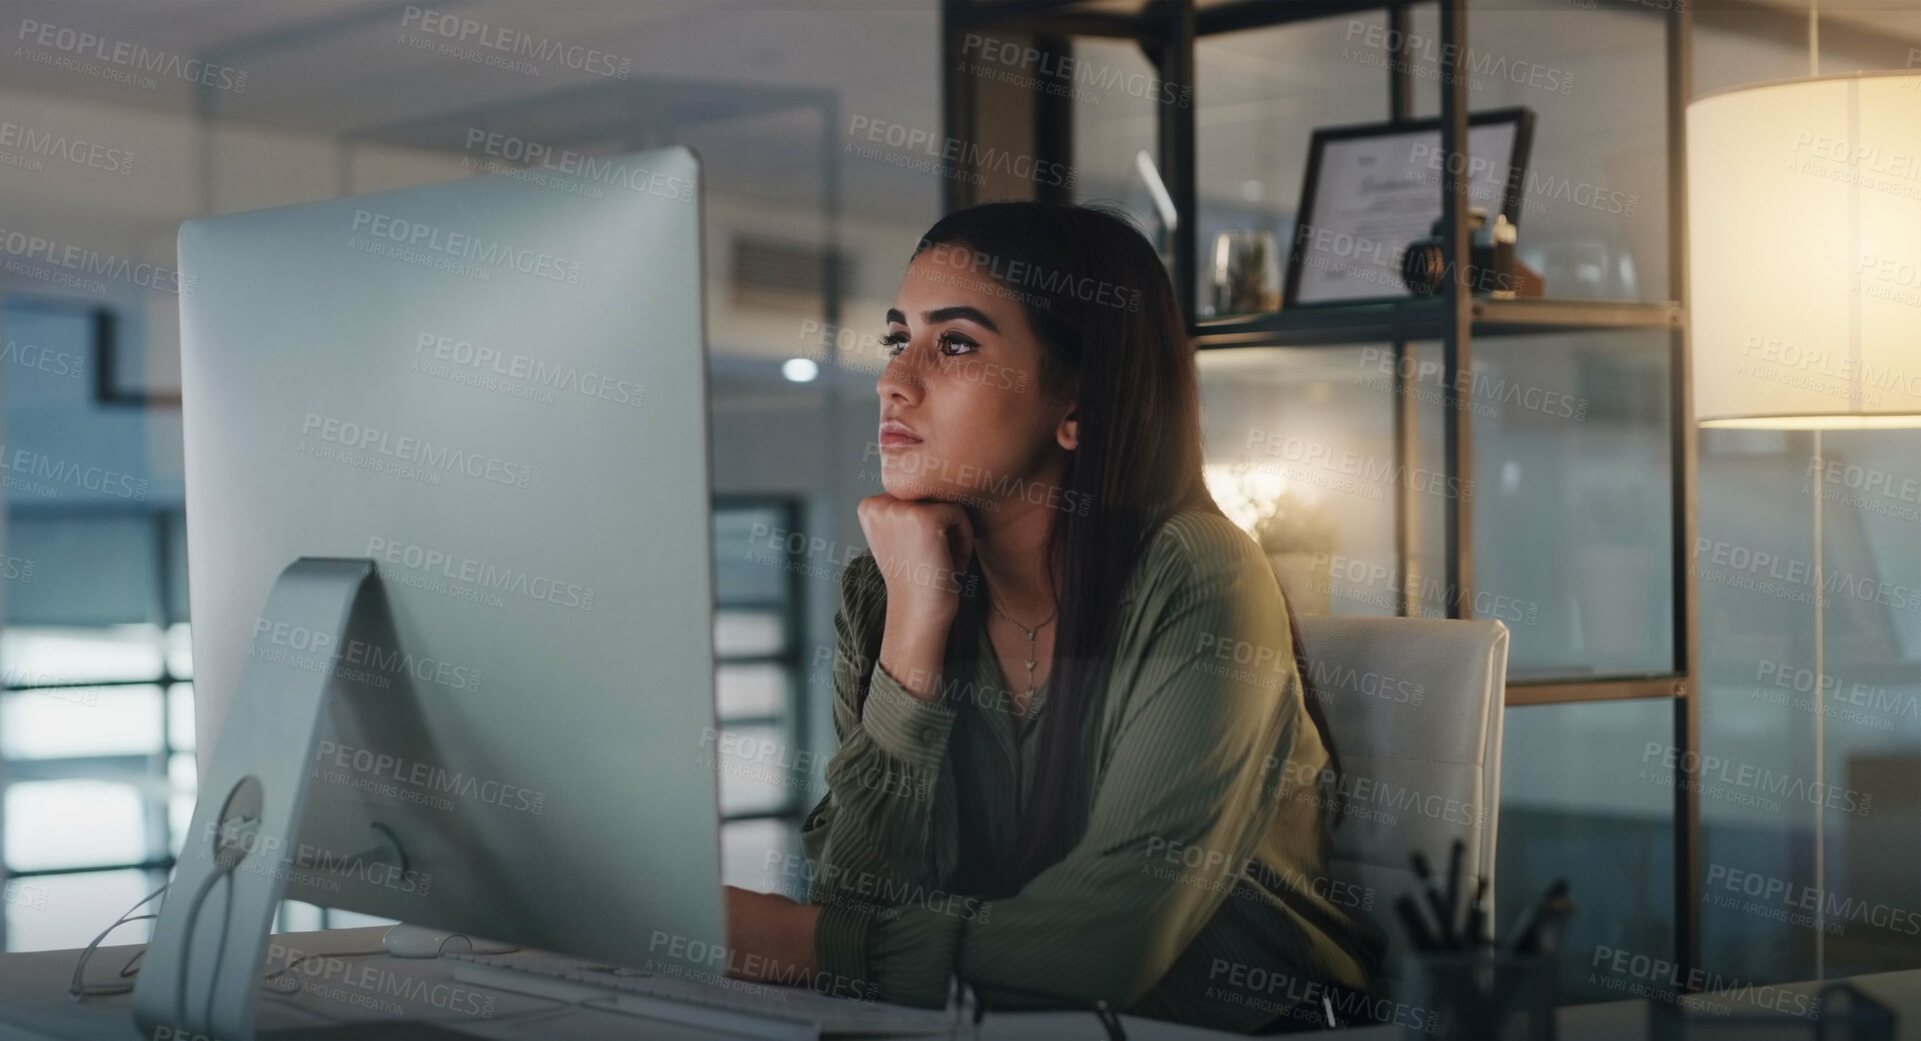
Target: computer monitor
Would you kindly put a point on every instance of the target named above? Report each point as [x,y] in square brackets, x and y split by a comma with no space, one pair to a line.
[495,389]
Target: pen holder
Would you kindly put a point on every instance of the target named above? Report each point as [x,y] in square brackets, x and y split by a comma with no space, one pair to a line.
[1479,996]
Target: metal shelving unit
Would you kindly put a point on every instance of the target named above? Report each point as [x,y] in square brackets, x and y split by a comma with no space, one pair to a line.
[1427,319]
[1166,31]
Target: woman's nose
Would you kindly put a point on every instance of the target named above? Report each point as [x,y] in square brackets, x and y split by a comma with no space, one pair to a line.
[898,381]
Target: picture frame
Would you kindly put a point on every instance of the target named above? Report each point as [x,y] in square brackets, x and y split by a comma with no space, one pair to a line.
[1366,225]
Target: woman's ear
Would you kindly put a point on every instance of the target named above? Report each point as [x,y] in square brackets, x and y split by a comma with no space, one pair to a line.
[1068,434]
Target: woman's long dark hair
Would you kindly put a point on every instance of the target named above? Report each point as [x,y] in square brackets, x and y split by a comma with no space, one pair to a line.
[1114,342]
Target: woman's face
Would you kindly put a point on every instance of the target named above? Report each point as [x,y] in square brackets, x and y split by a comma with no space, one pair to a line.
[963,416]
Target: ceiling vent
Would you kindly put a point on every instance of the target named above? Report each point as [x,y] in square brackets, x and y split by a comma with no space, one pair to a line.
[779,273]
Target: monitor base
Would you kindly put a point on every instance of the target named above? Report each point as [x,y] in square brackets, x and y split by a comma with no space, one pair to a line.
[200,971]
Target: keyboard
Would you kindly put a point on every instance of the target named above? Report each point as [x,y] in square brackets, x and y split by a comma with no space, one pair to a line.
[733,1006]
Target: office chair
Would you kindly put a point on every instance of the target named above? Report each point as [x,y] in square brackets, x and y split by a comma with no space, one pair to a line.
[1414,707]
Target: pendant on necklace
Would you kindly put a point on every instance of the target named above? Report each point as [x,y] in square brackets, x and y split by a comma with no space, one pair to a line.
[1031,662]
[1033,659]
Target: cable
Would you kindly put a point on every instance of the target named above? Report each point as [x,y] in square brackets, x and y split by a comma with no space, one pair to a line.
[226,862]
[78,988]
[225,865]
[220,953]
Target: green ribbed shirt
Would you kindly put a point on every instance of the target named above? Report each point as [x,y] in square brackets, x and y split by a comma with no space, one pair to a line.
[1195,887]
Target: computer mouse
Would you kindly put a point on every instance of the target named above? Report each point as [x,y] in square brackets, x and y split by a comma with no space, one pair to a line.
[419,941]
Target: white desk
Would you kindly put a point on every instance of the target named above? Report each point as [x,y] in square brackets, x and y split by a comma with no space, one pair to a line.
[423,1003]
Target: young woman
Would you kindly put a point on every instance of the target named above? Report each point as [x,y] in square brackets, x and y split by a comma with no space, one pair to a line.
[1077,762]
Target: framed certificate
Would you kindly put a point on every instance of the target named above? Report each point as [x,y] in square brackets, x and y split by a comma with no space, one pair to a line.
[1373,189]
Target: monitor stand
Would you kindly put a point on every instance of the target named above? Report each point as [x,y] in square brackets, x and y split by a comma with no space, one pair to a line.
[199,973]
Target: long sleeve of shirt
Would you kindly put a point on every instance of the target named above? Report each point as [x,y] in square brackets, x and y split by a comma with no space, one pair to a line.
[1202,768]
[885,833]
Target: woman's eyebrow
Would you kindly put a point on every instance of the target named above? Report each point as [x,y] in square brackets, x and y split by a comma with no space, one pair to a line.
[946,314]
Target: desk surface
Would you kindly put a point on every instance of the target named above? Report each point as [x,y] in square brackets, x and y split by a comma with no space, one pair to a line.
[377,997]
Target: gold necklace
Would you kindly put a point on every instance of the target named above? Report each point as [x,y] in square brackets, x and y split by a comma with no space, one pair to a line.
[1032,633]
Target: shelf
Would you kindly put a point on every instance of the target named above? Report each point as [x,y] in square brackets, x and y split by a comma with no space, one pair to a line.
[1066,19]
[1078,18]
[1426,319]
[1229,16]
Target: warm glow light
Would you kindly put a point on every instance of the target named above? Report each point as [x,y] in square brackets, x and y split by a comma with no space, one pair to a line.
[1245,491]
[1804,250]
[1239,490]
[1888,422]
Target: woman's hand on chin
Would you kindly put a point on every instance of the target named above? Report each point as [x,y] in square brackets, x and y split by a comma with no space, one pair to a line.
[922,547]
[922,550]
[770,939]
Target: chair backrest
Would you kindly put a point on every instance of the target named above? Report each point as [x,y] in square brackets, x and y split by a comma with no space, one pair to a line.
[1414,707]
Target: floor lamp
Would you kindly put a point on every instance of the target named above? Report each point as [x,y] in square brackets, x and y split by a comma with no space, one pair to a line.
[1804,230]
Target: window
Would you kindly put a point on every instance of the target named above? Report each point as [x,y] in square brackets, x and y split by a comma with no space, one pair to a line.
[96,722]
[768,777]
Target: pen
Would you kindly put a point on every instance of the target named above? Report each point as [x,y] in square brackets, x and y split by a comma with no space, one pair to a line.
[1527,931]
[1455,856]
[1553,923]
[1455,880]
[1474,932]
[1442,912]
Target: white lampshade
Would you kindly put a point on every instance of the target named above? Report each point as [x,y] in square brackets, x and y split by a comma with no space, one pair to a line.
[1805,253]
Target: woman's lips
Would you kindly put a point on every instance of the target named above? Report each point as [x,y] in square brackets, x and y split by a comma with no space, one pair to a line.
[897,435]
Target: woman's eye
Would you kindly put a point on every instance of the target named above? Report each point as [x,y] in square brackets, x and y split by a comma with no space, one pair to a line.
[893,343]
[959,343]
